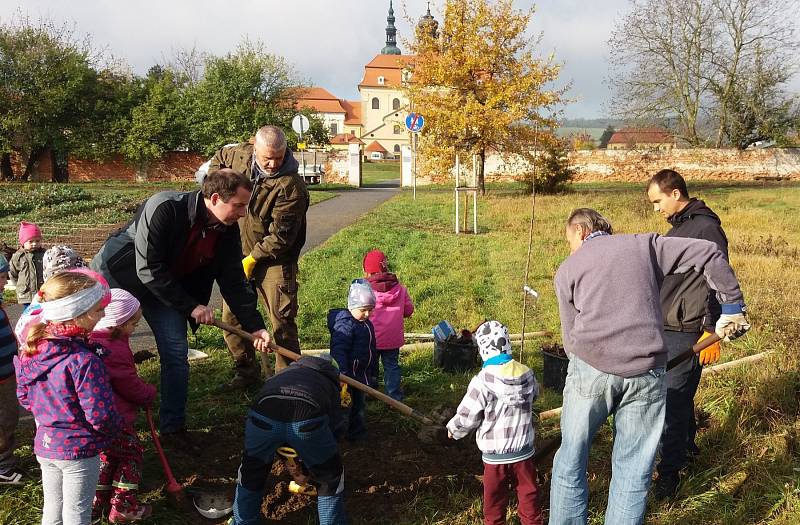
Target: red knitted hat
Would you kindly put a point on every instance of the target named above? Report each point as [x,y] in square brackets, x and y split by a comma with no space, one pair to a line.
[375,262]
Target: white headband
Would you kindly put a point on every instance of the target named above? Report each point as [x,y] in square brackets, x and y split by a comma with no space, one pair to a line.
[72,306]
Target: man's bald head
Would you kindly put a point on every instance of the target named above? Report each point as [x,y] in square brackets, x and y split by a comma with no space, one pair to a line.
[270,148]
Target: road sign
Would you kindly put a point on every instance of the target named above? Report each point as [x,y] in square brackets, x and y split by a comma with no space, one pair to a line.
[414,122]
[300,124]
[301,145]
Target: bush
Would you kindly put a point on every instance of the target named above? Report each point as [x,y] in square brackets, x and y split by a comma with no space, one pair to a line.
[553,171]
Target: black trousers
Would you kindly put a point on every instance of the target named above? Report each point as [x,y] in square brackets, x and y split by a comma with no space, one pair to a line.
[680,426]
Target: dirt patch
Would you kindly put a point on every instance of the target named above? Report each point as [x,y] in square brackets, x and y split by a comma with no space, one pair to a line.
[382,474]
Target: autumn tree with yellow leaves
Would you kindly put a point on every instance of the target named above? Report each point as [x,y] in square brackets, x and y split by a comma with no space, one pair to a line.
[479,85]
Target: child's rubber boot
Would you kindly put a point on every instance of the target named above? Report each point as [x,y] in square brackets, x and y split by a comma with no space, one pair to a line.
[135,513]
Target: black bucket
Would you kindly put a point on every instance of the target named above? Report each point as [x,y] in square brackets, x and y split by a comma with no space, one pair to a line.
[455,357]
[554,373]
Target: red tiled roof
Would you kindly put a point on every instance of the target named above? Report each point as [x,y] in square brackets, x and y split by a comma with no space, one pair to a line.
[641,136]
[353,112]
[387,66]
[345,138]
[375,146]
[320,100]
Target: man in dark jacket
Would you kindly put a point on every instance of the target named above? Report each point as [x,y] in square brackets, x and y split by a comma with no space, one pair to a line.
[298,407]
[168,257]
[273,233]
[690,311]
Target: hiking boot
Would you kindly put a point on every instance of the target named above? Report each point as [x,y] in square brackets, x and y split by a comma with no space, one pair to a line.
[666,486]
[12,478]
[136,513]
[179,441]
[243,377]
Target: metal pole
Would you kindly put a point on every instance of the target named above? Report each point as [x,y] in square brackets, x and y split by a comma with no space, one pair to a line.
[414,163]
[303,150]
[475,212]
[456,193]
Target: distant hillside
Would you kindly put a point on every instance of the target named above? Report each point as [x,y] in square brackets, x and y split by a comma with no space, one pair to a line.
[566,131]
[590,123]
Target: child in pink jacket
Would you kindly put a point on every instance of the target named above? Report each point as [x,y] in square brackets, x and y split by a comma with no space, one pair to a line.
[121,462]
[392,306]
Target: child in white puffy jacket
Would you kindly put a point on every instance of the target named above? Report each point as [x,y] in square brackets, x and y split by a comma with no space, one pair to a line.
[499,403]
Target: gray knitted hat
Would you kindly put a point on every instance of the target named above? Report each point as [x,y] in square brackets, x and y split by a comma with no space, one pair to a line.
[360,295]
[59,258]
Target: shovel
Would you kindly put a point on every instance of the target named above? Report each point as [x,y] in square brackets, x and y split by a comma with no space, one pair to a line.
[397,405]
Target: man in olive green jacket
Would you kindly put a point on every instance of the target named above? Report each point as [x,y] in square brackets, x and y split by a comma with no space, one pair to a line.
[273,233]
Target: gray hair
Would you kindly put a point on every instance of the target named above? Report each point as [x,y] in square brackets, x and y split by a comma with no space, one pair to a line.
[271,136]
[590,219]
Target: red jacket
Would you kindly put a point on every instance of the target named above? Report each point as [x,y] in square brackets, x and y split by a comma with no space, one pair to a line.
[130,392]
[392,305]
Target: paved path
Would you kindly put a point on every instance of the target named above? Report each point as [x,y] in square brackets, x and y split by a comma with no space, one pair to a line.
[324,219]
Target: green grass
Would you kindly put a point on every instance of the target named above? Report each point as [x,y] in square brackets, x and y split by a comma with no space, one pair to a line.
[750,468]
[380,172]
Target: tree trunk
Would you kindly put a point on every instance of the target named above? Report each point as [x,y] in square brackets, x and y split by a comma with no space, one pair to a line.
[32,159]
[6,169]
[59,173]
[481,166]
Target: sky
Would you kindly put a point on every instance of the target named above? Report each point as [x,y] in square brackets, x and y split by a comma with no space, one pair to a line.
[328,42]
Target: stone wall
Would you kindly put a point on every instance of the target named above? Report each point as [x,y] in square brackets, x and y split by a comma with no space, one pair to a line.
[175,165]
[639,166]
[337,167]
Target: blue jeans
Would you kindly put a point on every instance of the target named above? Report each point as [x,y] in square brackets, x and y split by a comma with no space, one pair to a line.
[637,404]
[169,330]
[314,442]
[391,373]
[680,426]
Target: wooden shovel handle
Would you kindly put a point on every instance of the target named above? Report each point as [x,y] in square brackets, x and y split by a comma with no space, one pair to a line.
[696,349]
[397,405]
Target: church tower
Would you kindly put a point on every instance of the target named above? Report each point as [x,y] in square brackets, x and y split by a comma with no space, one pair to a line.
[391,35]
[428,25]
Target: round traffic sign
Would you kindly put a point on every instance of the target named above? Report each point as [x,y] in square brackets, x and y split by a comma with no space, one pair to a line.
[300,124]
[414,122]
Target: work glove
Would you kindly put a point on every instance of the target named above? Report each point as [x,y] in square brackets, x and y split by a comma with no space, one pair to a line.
[248,264]
[710,354]
[732,323]
[346,399]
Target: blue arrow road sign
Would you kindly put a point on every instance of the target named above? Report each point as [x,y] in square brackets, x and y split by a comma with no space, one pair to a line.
[414,122]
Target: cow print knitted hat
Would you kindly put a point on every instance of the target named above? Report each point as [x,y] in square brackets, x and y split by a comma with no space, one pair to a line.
[493,339]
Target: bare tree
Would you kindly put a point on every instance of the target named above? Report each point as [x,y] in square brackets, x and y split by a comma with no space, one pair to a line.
[658,53]
[751,34]
[699,61]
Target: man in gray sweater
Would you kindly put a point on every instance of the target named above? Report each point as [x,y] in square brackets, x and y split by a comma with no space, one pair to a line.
[612,327]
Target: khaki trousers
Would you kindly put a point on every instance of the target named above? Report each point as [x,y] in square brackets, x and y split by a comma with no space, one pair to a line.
[277,287]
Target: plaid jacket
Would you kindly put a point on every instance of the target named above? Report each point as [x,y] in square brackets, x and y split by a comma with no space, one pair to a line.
[499,403]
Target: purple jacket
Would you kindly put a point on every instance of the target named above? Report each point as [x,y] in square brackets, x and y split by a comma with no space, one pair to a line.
[68,389]
[608,296]
[392,305]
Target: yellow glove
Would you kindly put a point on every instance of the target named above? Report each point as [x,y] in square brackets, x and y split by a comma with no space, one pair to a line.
[345,396]
[249,264]
[711,354]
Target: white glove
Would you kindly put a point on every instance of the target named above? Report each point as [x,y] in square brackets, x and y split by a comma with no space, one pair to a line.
[732,323]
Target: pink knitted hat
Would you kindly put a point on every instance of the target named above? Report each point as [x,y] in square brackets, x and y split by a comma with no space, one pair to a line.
[27,231]
[122,307]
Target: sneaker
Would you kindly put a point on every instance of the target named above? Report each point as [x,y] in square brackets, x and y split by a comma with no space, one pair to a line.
[180,441]
[666,486]
[139,512]
[13,478]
